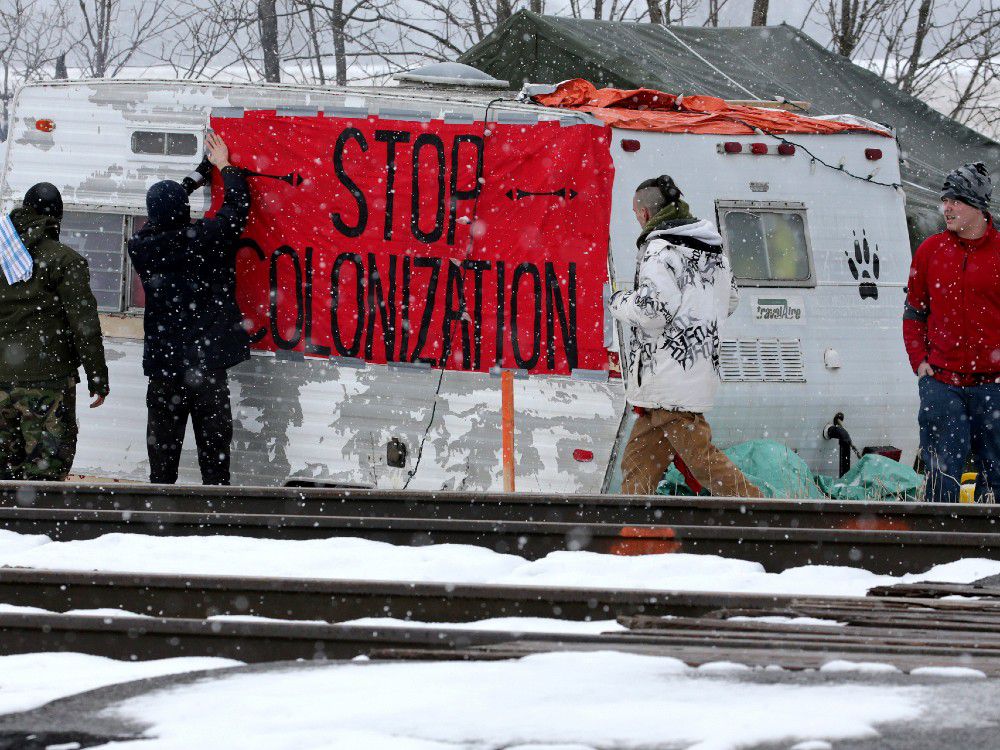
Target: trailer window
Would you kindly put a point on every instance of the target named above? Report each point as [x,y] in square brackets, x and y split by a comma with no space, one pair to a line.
[100,239]
[767,245]
[164,144]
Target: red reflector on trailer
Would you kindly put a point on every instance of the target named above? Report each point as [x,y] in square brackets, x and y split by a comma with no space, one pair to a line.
[583,455]
[873,154]
[46,126]
[732,147]
[786,149]
[758,148]
[630,145]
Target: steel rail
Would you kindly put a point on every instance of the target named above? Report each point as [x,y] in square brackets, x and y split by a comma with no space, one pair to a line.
[201,596]
[143,638]
[617,509]
[695,653]
[776,549]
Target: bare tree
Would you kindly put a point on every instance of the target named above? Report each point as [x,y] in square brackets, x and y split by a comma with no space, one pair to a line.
[852,22]
[942,53]
[352,22]
[267,17]
[108,43]
[203,36]
[758,17]
[655,13]
[32,34]
[714,8]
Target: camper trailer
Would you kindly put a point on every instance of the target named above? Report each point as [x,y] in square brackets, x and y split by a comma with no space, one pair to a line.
[382,314]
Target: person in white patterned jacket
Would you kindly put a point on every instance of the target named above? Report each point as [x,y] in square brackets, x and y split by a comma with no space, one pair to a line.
[683,287]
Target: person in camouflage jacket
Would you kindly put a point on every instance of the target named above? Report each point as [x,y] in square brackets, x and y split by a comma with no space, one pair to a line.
[48,328]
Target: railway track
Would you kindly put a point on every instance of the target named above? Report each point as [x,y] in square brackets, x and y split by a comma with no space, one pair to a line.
[196,597]
[881,551]
[904,631]
[591,509]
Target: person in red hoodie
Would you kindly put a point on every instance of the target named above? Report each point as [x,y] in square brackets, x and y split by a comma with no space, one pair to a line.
[951,328]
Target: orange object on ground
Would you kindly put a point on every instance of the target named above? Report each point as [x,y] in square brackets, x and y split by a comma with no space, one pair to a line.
[648,109]
[875,523]
[645,540]
[507,428]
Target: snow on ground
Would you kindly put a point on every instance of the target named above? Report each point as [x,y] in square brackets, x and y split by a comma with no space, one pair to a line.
[559,700]
[348,558]
[573,701]
[31,680]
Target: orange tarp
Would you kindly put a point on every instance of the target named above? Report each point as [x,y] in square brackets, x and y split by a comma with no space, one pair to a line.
[648,109]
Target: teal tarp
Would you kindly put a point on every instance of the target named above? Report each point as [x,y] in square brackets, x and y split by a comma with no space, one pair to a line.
[874,477]
[780,473]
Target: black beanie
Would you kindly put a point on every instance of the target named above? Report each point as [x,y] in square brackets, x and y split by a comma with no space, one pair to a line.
[44,199]
[167,205]
[971,184]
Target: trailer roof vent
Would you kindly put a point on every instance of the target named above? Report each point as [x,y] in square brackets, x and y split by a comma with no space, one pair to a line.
[451,74]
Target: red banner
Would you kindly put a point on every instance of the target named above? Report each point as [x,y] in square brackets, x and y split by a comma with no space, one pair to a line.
[458,245]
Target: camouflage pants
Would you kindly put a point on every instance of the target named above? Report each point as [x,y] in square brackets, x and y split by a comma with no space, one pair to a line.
[37,432]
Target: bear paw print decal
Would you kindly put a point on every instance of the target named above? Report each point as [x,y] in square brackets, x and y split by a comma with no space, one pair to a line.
[864,266]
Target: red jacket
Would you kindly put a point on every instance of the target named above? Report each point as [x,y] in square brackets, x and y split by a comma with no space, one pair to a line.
[952,313]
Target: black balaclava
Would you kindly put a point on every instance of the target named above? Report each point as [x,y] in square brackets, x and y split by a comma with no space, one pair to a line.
[167,205]
[44,199]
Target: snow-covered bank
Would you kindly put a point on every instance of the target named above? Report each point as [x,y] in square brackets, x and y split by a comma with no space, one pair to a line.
[28,681]
[562,700]
[347,558]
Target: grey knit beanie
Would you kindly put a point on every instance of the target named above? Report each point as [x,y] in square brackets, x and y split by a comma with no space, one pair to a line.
[971,184]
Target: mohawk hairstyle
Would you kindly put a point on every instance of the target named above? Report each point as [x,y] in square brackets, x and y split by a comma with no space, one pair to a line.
[656,193]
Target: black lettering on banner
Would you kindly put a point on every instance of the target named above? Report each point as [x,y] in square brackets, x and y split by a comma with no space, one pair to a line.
[455,288]
[567,324]
[501,313]
[390,138]
[311,347]
[467,193]
[425,320]
[359,271]
[382,306]
[404,326]
[526,269]
[359,197]
[477,267]
[427,139]
[250,244]
[276,333]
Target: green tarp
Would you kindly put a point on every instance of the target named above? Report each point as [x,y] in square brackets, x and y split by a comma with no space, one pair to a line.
[780,473]
[768,61]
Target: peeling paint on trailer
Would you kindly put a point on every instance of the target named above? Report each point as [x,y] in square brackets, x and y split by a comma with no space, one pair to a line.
[309,420]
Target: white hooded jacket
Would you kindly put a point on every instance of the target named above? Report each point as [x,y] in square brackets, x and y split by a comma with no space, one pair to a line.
[683,288]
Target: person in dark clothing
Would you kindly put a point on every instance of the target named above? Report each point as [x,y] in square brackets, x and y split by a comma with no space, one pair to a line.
[193,327]
[48,327]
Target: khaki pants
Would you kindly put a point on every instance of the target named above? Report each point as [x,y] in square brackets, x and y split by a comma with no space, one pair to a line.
[659,436]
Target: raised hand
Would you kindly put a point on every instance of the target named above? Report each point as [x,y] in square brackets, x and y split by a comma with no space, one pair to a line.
[218,151]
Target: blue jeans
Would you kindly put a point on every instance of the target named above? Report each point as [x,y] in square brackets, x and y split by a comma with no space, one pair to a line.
[953,420]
